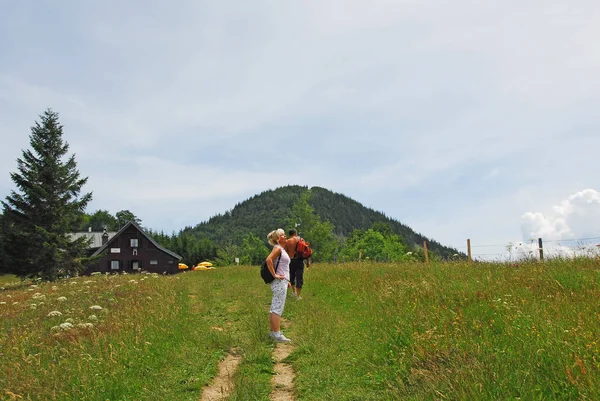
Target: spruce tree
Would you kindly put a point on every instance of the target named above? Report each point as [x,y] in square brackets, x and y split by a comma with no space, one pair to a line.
[39,216]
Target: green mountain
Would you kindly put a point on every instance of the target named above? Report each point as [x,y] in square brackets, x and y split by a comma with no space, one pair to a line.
[271,209]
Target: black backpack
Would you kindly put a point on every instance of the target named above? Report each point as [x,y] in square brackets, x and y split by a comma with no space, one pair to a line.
[265,273]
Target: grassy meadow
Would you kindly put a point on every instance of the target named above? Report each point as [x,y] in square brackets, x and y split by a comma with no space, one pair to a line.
[362,332]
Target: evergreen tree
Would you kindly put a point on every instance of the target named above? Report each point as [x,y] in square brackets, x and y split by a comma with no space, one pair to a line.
[47,206]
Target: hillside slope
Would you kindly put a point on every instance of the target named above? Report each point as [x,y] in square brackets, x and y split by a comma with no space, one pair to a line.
[270,209]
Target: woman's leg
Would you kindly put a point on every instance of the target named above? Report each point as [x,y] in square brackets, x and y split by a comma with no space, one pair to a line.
[275,321]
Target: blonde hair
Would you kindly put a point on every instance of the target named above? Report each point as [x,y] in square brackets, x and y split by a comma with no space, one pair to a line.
[273,236]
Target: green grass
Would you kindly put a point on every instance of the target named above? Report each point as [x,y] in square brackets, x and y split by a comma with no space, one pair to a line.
[362,332]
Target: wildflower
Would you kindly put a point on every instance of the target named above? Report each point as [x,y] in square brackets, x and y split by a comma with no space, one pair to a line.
[66,326]
[55,328]
[96,274]
[32,306]
[54,287]
[133,281]
[88,281]
[37,295]
[16,303]
[54,313]
[70,320]
[2,303]
[8,296]
[73,282]
[85,325]
[96,307]
[61,299]
[93,318]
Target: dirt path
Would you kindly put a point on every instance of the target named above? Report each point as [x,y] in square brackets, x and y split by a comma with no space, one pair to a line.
[283,381]
[222,385]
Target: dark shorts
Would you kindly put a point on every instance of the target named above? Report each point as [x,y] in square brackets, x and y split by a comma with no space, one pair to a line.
[297,272]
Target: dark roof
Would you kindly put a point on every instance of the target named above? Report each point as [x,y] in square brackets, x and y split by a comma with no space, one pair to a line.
[133,223]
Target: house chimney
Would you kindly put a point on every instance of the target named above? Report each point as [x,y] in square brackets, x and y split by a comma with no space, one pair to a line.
[104,237]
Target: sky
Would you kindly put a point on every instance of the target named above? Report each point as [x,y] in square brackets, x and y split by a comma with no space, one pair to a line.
[461,119]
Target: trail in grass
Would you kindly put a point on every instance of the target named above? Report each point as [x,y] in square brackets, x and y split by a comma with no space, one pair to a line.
[283,380]
[222,385]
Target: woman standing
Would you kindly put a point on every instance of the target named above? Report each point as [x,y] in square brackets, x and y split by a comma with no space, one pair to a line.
[278,263]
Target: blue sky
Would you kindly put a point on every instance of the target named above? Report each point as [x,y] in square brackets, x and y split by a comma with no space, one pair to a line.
[461,119]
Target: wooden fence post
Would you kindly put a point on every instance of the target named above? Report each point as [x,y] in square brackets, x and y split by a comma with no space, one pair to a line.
[541,248]
[469,250]
[426,253]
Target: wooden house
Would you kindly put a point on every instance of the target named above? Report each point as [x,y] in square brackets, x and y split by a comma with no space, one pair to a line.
[132,250]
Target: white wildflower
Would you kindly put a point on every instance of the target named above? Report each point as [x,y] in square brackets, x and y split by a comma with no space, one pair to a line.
[93,318]
[33,286]
[54,313]
[73,282]
[37,295]
[88,281]
[61,299]
[33,306]
[2,303]
[96,307]
[8,296]
[133,281]
[85,325]
[54,287]
[31,289]
[70,320]
[66,326]
[55,328]
[16,303]
[96,274]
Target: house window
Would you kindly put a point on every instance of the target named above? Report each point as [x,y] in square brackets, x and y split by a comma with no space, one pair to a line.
[135,265]
[133,242]
[154,262]
[115,264]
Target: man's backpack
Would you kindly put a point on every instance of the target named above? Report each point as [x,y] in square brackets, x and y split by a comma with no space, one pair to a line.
[303,249]
[265,273]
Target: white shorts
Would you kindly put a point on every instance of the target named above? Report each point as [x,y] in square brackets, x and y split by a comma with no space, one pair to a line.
[279,288]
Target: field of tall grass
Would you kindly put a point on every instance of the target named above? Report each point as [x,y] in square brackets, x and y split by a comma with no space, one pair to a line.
[362,331]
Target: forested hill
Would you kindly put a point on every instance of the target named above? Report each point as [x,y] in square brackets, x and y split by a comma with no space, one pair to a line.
[272,209]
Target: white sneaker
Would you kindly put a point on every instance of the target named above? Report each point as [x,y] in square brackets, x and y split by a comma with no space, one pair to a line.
[298,297]
[280,338]
[294,294]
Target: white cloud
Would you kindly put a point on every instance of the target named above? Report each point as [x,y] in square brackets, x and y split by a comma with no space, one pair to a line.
[577,217]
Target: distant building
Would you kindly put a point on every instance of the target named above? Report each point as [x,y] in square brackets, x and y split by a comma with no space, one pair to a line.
[129,250]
